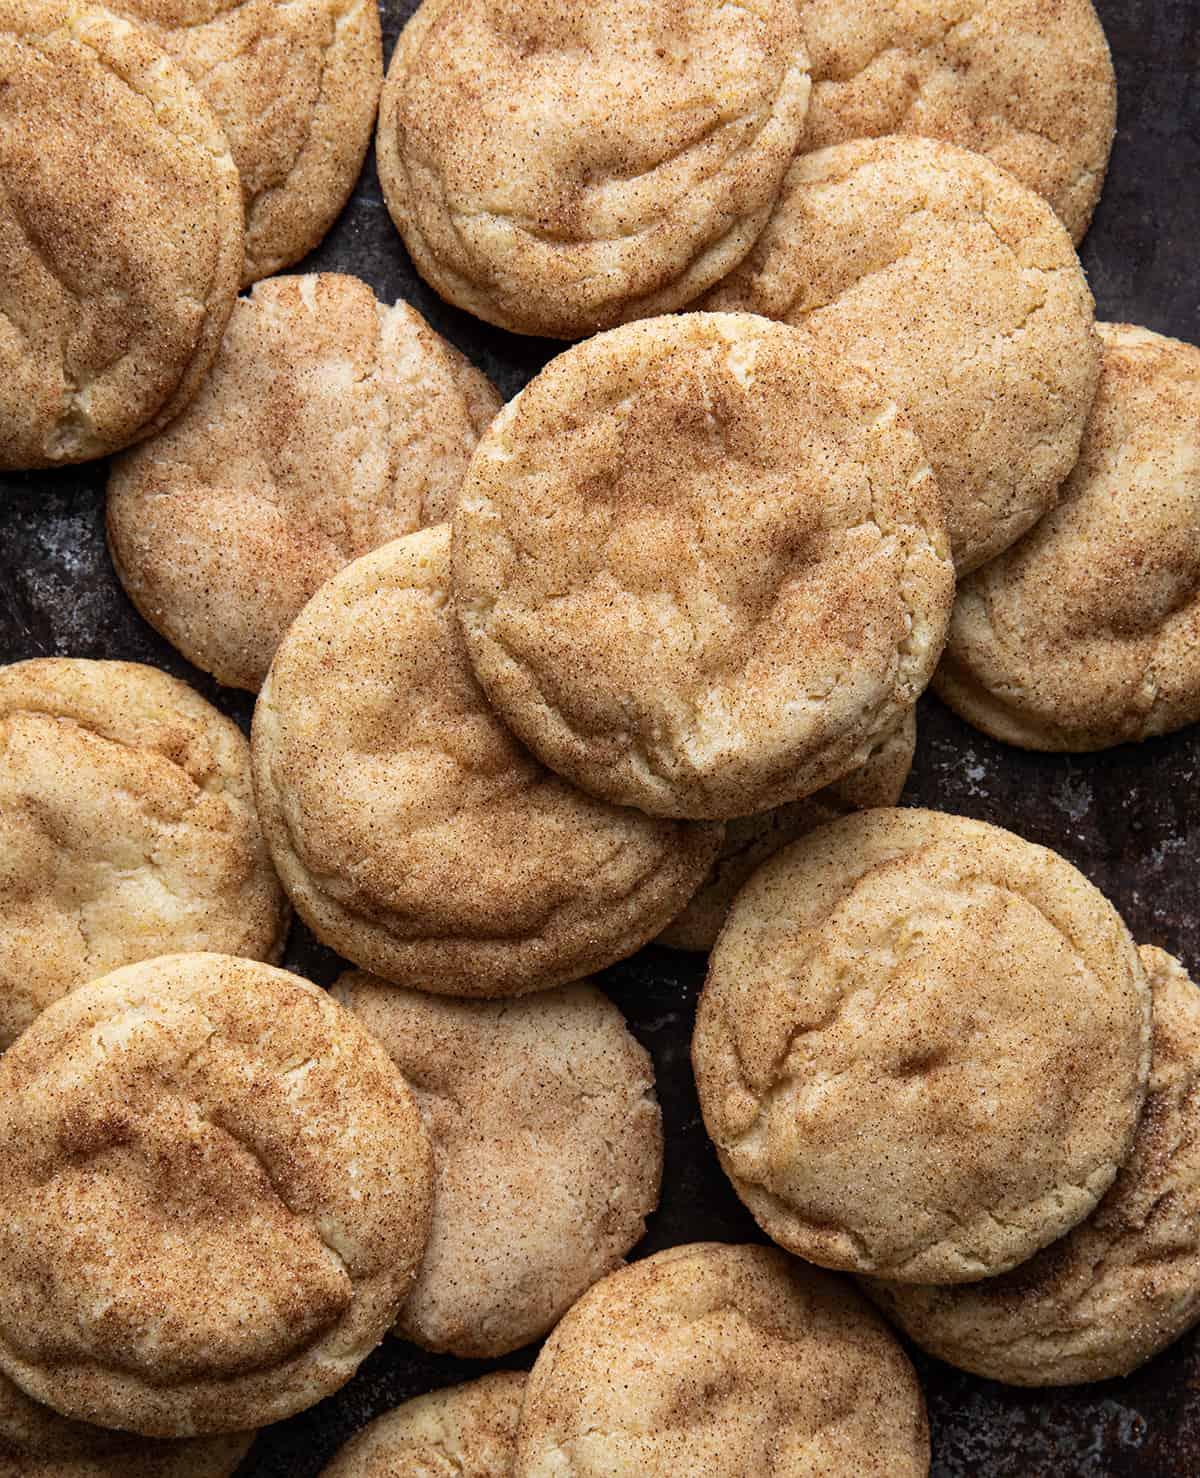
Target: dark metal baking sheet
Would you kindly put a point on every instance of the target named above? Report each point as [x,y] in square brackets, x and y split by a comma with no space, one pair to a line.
[1130,818]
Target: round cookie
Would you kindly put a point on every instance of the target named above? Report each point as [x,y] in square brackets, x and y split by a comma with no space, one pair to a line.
[560,166]
[1126,1282]
[120,233]
[922,1047]
[294,85]
[469,1431]
[127,827]
[413,833]
[328,425]
[726,1361]
[548,1147]
[1029,83]
[36,1442]
[961,291]
[700,565]
[751,840]
[217,1192]
[1087,632]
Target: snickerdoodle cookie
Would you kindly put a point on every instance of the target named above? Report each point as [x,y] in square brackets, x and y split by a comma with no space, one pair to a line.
[1027,82]
[328,425]
[127,827]
[560,166]
[217,1191]
[960,289]
[922,1047]
[1087,632]
[35,1442]
[547,1143]
[701,566]
[120,234]
[413,833]
[1125,1282]
[750,840]
[294,86]
[724,1361]
[467,1431]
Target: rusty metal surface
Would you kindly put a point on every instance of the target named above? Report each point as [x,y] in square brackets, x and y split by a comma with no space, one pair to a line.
[1129,818]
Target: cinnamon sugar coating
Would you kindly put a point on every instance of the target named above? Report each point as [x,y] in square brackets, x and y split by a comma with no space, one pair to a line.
[547,1139]
[560,166]
[120,234]
[217,1193]
[127,826]
[1029,83]
[1087,632]
[412,831]
[751,840]
[922,1047]
[35,1442]
[1124,1283]
[961,291]
[701,566]
[468,1431]
[330,423]
[294,87]
[722,1360]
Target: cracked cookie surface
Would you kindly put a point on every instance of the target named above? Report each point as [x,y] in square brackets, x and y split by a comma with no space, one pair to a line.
[751,840]
[120,231]
[329,424]
[959,289]
[547,1142]
[35,1442]
[467,1431]
[700,565]
[1029,83]
[413,833]
[1124,1283]
[922,1047]
[559,166]
[294,86]
[1087,632]
[127,826]
[217,1192]
[722,1360]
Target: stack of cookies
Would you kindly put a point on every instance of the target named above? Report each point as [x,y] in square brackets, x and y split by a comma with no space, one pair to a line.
[634,657]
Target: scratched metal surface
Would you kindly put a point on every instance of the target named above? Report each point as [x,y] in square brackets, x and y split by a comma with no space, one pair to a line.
[1129,818]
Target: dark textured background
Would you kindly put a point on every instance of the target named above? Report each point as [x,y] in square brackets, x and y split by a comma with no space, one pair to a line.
[1129,818]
